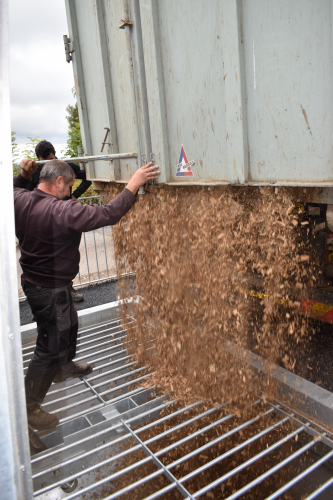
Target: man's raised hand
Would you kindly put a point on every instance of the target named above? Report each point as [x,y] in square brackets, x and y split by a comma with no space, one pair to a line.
[28,168]
[143,175]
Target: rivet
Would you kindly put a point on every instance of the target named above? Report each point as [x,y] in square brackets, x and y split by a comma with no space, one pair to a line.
[22,468]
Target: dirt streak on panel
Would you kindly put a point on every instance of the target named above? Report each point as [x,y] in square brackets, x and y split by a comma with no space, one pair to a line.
[306,118]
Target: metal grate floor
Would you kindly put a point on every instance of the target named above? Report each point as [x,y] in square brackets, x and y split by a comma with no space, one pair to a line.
[117,441]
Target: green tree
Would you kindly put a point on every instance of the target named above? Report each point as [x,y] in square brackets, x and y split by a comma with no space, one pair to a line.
[29,151]
[74,140]
[74,132]
[15,155]
[73,113]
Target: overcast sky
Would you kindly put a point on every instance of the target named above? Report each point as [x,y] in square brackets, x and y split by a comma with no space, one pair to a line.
[41,79]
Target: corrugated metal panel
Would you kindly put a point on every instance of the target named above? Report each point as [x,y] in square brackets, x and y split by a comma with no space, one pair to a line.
[244,86]
[186,92]
[288,74]
[104,84]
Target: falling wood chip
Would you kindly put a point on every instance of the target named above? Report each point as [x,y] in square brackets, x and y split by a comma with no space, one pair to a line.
[196,288]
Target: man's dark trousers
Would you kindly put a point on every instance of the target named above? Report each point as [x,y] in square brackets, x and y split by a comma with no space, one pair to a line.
[57,327]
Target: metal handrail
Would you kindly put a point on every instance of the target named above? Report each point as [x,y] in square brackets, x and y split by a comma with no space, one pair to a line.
[86,159]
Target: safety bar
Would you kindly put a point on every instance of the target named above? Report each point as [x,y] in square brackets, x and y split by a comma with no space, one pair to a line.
[86,159]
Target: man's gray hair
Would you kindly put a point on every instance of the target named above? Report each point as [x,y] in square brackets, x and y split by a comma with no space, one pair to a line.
[53,169]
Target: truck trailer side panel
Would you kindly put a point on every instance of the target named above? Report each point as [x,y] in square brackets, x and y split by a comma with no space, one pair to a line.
[235,92]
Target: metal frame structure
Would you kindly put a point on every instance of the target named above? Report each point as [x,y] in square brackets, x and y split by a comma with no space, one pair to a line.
[15,476]
[91,441]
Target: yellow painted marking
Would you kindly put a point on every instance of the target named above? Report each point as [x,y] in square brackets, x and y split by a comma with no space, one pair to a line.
[321,309]
[261,295]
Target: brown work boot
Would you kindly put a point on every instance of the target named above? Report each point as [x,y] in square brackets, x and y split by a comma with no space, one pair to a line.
[71,369]
[40,420]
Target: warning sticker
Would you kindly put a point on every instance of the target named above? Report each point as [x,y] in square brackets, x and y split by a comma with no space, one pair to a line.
[314,210]
[184,166]
[317,310]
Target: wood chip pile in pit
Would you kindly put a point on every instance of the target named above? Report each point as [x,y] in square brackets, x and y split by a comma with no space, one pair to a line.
[236,481]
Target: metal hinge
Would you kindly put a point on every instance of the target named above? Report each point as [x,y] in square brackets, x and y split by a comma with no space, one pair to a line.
[125,22]
[68,50]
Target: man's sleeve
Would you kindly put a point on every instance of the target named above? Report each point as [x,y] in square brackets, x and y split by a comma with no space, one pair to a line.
[80,174]
[83,218]
[82,188]
[75,167]
[20,182]
[34,179]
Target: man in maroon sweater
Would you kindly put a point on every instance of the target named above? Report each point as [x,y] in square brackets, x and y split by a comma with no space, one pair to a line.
[49,231]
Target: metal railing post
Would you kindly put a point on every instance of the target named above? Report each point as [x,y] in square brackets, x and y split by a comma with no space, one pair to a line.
[15,468]
[106,259]
[95,251]
[85,247]
[114,252]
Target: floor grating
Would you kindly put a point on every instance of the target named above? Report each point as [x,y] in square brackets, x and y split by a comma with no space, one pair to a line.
[116,439]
